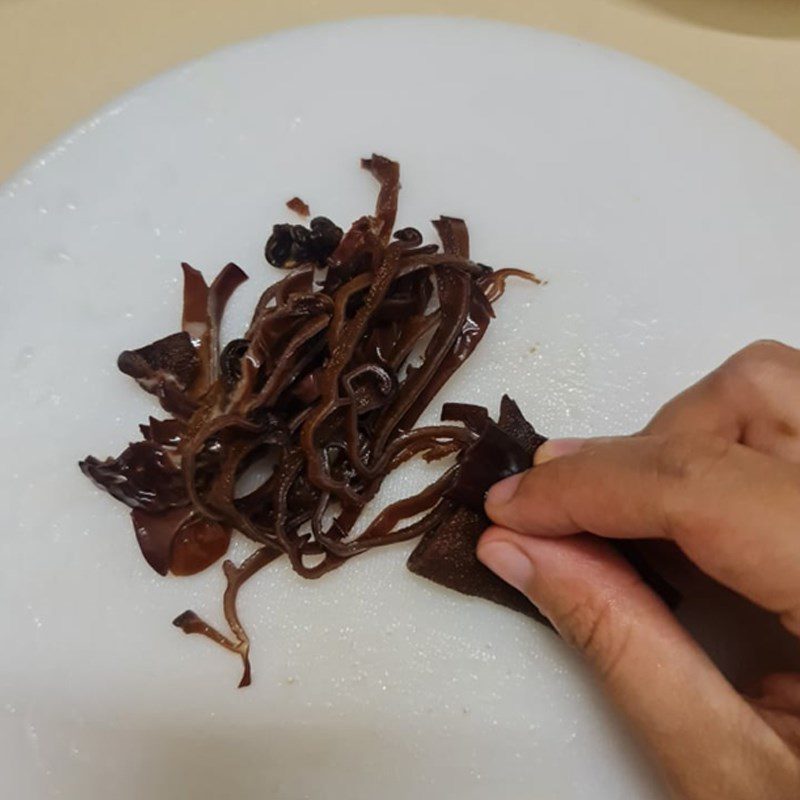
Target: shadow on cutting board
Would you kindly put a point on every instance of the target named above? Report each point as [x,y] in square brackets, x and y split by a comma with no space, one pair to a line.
[746,642]
[778,19]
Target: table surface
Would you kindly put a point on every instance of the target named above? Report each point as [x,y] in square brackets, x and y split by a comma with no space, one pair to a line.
[62,59]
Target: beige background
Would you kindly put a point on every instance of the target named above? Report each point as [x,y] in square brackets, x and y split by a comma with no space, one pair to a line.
[61,59]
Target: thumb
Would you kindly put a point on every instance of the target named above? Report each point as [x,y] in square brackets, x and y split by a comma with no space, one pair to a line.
[686,713]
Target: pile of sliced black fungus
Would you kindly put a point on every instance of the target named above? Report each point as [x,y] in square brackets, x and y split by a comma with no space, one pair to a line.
[322,393]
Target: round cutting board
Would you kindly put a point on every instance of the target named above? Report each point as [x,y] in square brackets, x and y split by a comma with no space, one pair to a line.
[666,226]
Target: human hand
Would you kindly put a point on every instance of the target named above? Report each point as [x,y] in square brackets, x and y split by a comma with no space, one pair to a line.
[717,472]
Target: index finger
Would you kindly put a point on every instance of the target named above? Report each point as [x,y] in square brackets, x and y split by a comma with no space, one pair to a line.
[734,512]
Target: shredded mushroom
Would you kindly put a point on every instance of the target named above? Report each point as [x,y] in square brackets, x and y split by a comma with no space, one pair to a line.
[319,390]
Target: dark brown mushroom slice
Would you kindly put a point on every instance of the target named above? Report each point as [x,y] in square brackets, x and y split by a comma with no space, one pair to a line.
[235,578]
[167,432]
[300,207]
[179,541]
[172,357]
[198,543]
[387,173]
[143,476]
[496,455]
[472,416]
[203,307]
[156,533]
[230,360]
[446,556]
[291,245]
[513,422]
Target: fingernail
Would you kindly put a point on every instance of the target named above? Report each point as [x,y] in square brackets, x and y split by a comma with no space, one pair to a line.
[554,448]
[509,563]
[504,490]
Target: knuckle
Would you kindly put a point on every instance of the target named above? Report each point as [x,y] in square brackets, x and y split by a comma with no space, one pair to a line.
[596,629]
[684,465]
[761,351]
[689,457]
[765,348]
[757,363]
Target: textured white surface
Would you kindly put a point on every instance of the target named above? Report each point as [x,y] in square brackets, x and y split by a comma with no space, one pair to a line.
[666,225]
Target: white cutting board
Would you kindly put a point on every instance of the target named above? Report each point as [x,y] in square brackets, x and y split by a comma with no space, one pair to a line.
[667,226]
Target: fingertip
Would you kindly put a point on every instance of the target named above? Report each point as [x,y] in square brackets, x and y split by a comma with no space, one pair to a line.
[497,534]
[503,491]
[555,448]
[491,534]
[508,561]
